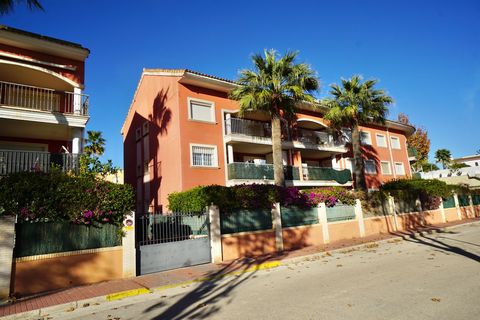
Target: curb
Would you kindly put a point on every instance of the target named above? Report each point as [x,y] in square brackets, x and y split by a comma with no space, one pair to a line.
[71,306]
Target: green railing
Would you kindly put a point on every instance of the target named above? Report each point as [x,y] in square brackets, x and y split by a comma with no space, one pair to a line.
[51,237]
[463,200]
[239,170]
[340,213]
[449,202]
[319,173]
[412,152]
[294,216]
[245,220]
[476,199]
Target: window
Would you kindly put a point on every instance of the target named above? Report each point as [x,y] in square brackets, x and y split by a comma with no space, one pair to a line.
[385,166]
[365,138]
[370,167]
[381,141]
[395,142]
[201,110]
[203,156]
[399,169]
[476,164]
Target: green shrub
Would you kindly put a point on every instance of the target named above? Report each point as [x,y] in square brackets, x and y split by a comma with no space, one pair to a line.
[56,196]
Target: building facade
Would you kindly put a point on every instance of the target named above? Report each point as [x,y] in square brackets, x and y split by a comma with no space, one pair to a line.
[43,111]
[182,130]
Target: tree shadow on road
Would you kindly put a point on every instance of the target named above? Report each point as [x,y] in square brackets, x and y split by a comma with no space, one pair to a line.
[200,302]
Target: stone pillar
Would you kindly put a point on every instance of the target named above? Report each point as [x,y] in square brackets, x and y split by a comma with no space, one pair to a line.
[391,211]
[277,226]
[128,246]
[215,234]
[442,211]
[457,206]
[7,241]
[77,140]
[359,216]
[322,218]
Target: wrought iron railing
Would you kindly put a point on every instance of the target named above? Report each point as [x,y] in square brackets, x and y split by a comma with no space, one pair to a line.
[12,161]
[43,99]
[252,171]
[325,173]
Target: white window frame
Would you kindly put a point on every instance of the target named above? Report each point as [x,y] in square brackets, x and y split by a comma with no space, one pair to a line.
[369,141]
[385,139]
[215,153]
[389,168]
[203,102]
[393,146]
[374,165]
[403,169]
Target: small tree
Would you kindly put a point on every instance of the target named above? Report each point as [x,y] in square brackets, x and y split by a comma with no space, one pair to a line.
[7,6]
[90,164]
[444,157]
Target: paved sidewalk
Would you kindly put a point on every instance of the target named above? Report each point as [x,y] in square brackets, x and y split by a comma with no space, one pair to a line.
[75,297]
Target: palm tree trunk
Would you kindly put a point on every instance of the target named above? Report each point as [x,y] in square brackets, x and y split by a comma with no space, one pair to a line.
[359,166]
[277,152]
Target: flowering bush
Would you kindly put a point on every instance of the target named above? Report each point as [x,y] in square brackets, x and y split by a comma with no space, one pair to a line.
[56,196]
[331,196]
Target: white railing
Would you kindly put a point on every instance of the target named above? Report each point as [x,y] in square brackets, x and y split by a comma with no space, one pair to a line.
[12,161]
[43,99]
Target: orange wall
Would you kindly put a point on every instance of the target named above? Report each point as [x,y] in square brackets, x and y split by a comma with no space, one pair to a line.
[247,245]
[61,272]
[451,214]
[295,238]
[343,230]
[76,75]
[378,225]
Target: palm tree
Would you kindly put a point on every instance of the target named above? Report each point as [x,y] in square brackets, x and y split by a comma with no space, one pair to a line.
[443,156]
[275,86]
[95,143]
[6,6]
[357,103]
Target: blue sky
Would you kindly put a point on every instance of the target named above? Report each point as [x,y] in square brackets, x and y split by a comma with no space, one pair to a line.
[426,54]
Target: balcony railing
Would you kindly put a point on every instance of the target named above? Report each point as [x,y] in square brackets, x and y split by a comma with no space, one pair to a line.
[322,173]
[12,161]
[251,171]
[43,99]
[258,129]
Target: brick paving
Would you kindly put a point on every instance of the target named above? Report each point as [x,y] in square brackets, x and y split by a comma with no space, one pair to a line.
[176,276]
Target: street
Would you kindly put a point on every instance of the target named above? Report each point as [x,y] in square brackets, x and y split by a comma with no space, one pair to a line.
[432,276]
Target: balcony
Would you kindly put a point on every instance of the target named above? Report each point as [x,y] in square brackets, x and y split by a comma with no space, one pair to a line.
[311,176]
[243,130]
[12,161]
[43,99]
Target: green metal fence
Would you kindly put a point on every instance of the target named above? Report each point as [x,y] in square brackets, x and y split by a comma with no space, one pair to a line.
[340,212]
[319,173]
[449,202]
[463,200]
[476,199]
[254,171]
[294,216]
[245,220]
[51,237]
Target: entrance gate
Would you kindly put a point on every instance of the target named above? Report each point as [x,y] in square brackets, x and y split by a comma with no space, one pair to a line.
[172,240]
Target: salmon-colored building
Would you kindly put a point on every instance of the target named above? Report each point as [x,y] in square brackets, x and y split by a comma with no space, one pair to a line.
[43,111]
[182,130]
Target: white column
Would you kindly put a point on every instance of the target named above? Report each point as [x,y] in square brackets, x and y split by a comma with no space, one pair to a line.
[128,246]
[472,209]
[457,206]
[77,140]
[230,153]
[359,215]
[228,123]
[215,234]
[77,100]
[442,211]
[277,226]
[7,240]
[322,218]
[391,207]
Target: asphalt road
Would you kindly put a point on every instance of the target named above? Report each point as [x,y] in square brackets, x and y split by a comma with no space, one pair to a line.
[435,276]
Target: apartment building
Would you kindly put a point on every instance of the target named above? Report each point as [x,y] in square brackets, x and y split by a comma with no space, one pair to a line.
[182,130]
[43,110]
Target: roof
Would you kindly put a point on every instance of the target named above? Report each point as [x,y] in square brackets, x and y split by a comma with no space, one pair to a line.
[471,157]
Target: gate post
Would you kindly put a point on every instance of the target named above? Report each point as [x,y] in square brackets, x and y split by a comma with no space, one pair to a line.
[7,239]
[359,215]
[442,211]
[128,246]
[392,211]
[215,234]
[322,218]
[457,206]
